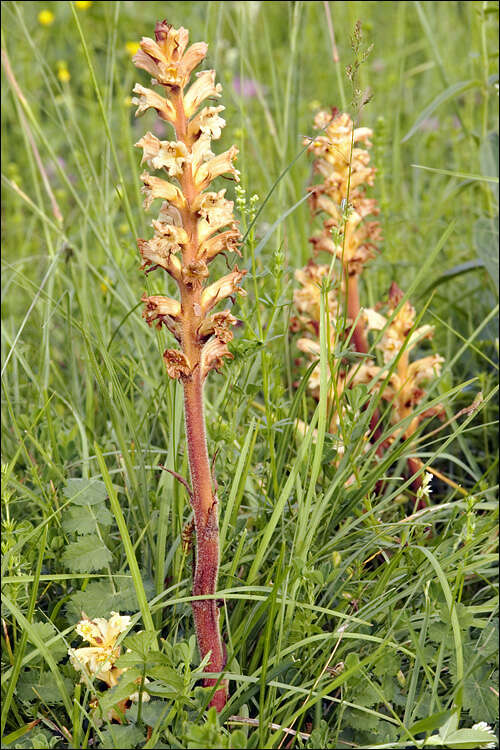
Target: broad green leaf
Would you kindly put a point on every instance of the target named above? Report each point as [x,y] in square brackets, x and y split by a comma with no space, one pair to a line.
[46,631]
[116,736]
[33,682]
[85,491]
[430,722]
[478,697]
[99,599]
[85,519]
[87,554]
[470,739]
[141,643]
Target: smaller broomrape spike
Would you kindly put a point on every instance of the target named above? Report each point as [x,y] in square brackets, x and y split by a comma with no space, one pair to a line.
[346,172]
[193,227]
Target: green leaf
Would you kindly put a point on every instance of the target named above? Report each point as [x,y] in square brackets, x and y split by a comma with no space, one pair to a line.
[99,599]
[86,555]
[430,722]
[85,491]
[458,270]
[460,175]
[478,698]
[151,712]
[486,242]
[125,737]
[32,682]
[141,643]
[85,519]
[128,684]
[45,631]
[455,90]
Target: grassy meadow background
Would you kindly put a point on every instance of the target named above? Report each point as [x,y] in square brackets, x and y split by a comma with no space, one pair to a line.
[349,618]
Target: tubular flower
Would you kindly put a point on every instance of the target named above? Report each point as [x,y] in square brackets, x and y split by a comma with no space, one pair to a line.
[98,659]
[194,225]
[404,389]
[346,172]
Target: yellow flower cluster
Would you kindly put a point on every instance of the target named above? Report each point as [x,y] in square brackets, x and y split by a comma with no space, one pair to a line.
[98,659]
[194,224]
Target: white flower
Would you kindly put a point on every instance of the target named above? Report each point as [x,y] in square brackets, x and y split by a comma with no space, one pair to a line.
[215,212]
[93,659]
[210,122]
[484,727]
[201,151]
[425,488]
[101,632]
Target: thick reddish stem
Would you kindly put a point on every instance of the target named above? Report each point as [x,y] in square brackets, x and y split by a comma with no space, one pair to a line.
[361,344]
[205,506]
[353,308]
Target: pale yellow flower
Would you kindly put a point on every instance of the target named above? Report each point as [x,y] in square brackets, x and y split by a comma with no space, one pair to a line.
[201,89]
[222,288]
[98,659]
[172,155]
[209,122]
[83,4]
[215,212]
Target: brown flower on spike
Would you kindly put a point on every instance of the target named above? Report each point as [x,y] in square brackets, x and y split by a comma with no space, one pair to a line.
[195,224]
[404,389]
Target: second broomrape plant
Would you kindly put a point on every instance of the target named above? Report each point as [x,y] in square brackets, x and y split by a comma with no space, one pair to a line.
[194,225]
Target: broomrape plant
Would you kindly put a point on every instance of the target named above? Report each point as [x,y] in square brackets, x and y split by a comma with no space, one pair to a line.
[351,237]
[194,225]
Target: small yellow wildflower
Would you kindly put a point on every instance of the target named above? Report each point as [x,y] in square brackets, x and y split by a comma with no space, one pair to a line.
[83,4]
[46,17]
[64,75]
[62,71]
[132,48]
[105,284]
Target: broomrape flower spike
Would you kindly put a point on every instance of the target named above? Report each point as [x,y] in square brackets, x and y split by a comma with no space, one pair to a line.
[351,237]
[346,172]
[194,225]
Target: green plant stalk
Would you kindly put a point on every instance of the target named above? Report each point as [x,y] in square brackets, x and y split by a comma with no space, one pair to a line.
[127,542]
